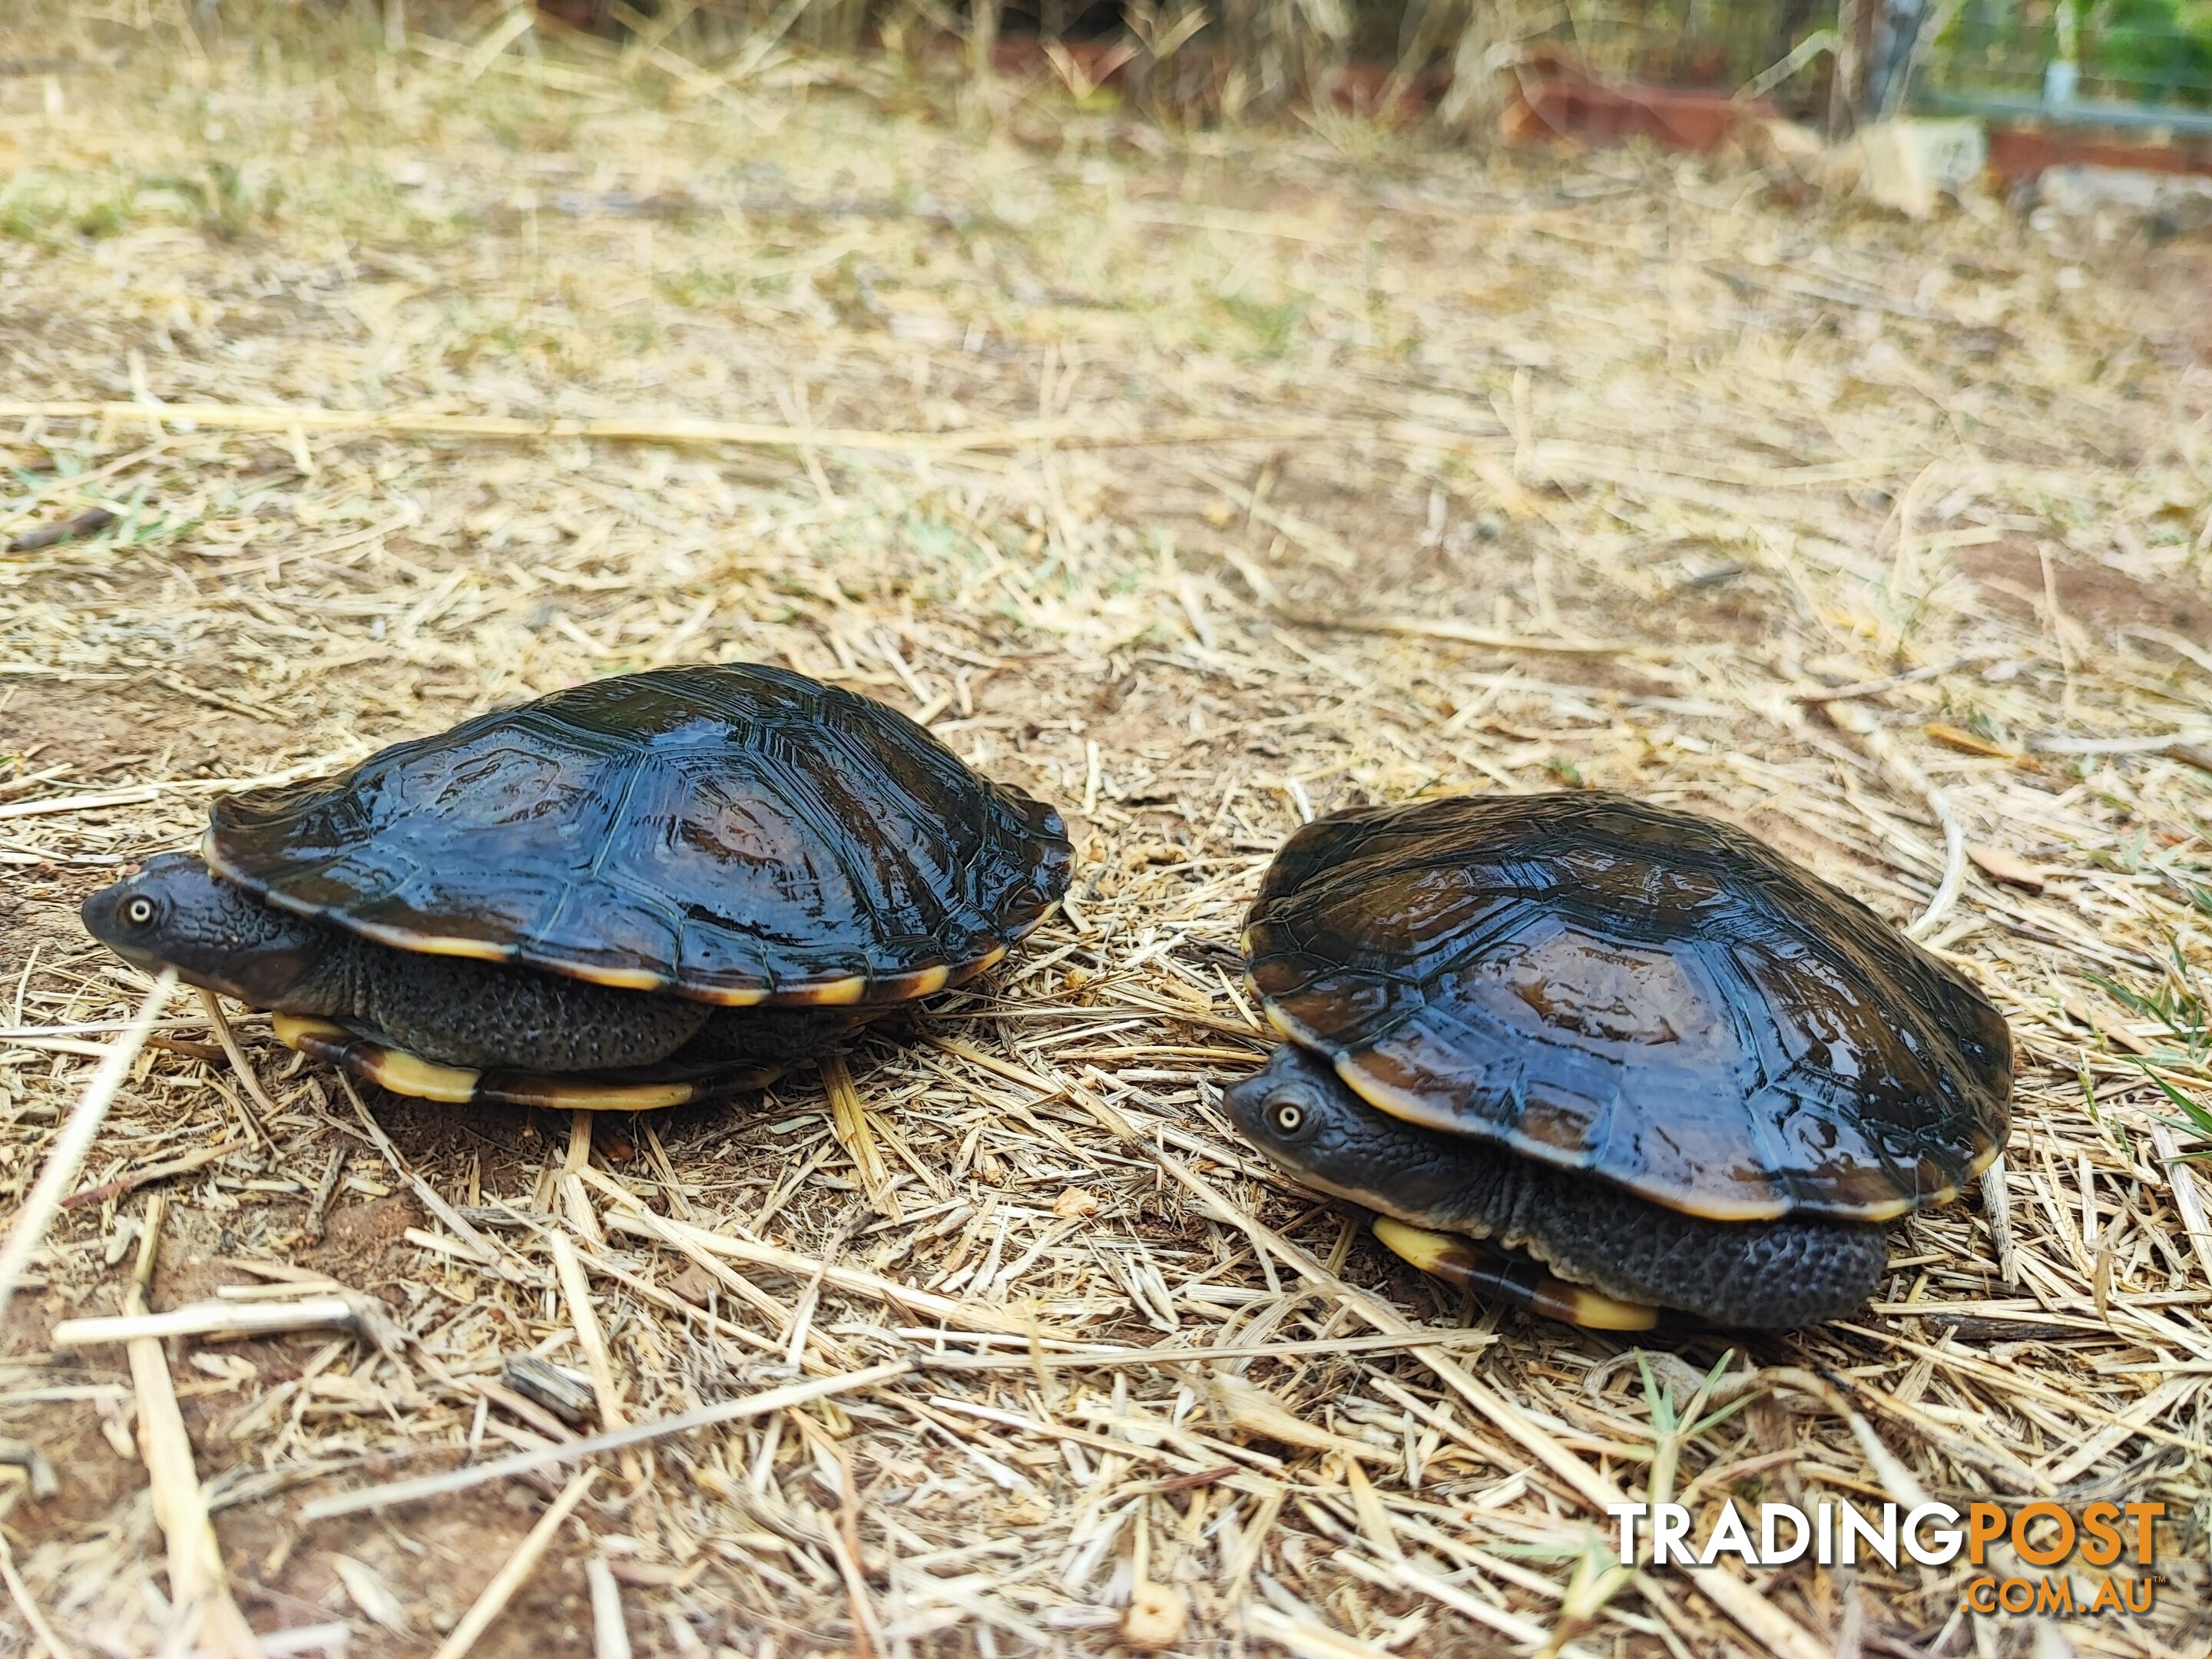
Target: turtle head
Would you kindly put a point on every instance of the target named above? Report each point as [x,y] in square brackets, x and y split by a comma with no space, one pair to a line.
[1308,1121]
[176,913]
[1287,1105]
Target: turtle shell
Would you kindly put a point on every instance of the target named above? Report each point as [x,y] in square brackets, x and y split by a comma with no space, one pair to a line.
[1656,999]
[738,834]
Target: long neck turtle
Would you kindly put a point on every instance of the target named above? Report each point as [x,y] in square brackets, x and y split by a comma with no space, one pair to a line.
[638,892]
[1668,1063]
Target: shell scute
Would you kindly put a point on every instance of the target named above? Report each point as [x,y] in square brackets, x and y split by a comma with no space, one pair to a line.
[1363,1008]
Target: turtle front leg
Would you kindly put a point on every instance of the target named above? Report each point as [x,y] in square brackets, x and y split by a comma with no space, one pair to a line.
[1616,1256]
[1774,1274]
[1458,1260]
[468,1014]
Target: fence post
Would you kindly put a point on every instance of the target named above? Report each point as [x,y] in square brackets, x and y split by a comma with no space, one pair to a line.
[1855,20]
[1898,42]
[2063,74]
[982,37]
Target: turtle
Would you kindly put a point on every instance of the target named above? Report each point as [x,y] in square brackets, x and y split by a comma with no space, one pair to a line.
[636,892]
[1675,1068]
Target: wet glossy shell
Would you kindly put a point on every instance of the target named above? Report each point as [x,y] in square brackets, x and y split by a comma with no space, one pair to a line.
[737,834]
[1652,997]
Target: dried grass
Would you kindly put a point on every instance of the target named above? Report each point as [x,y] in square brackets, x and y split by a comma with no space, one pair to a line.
[1612,471]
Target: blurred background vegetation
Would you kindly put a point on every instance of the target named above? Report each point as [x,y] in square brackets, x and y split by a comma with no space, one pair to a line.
[1213,60]
[2146,50]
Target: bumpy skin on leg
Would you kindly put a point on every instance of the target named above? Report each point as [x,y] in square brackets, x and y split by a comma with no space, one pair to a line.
[485,1015]
[1767,1274]
[476,1014]
[1776,1274]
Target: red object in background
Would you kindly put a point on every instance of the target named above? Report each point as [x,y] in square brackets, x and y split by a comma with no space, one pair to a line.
[1555,101]
[2026,152]
[588,14]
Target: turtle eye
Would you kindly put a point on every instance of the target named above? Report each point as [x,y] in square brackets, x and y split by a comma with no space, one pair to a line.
[138,912]
[1288,1116]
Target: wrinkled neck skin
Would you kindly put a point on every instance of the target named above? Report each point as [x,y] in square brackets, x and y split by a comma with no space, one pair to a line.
[176,913]
[1346,1148]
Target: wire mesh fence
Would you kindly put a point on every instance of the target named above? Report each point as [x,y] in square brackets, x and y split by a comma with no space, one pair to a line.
[2146,52]
[2139,65]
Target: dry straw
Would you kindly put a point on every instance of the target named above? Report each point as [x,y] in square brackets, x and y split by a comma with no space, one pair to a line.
[1202,481]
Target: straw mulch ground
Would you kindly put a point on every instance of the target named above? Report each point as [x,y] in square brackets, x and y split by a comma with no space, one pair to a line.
[1199,483]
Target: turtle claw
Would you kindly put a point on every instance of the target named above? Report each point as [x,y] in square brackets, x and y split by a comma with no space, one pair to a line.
[1458,1260]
